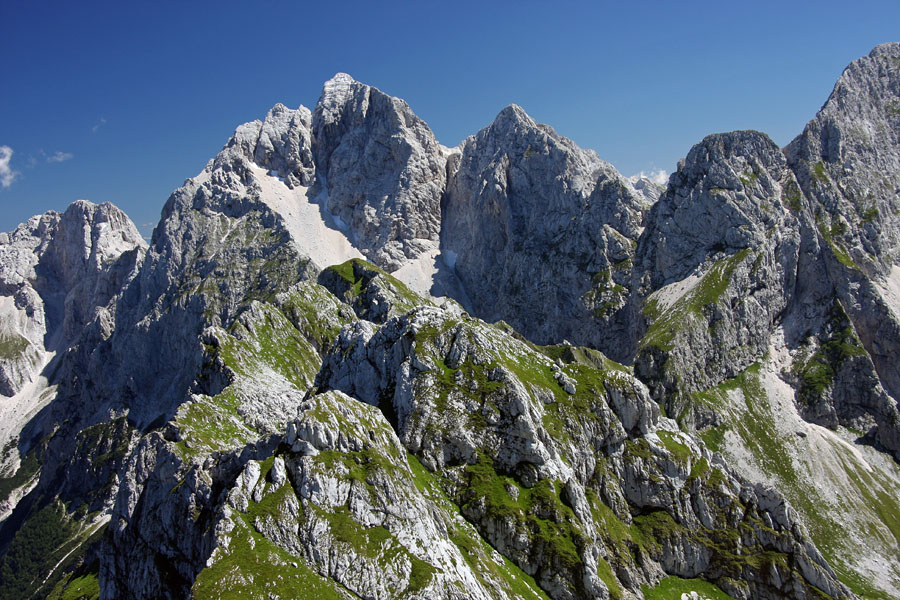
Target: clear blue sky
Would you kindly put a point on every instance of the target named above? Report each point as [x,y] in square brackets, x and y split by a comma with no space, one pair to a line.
[122,101]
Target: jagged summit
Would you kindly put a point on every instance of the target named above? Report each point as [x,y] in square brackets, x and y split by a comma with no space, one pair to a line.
[514,113]
[888,49]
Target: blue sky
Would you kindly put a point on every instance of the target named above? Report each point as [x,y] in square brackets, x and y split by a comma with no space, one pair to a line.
[122,101]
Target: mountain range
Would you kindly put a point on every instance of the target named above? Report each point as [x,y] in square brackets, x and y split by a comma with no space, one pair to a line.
[355,363]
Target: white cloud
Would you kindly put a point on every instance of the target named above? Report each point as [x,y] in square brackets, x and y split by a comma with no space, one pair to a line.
[659,177]
[98,125]
[60,157]
[7,175]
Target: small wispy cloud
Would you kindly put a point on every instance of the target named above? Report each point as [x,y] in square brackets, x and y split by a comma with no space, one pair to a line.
[98,125]
[7,175]
[659,177]
[59,157]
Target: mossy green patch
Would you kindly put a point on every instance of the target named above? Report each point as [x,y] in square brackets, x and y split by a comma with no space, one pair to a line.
[832,236]
[81,587]
[212,423]
[870,215]
[819,174]
[606,575]
[261,344]
[665,325]
[818,372]
[475,550]
[357,275]
[755,425]
[12,346]
[749,179]
[315,312]
[252,567]
[793,196]
[359,466]
[670,442]
[714,437]
[269,339]
[478,554]
[538,512]
[671,588]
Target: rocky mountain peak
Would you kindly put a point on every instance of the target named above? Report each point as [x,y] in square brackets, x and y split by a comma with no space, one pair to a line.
[336,91]
[59,272]
[382,169]
[514,115]
[888,49]
[718,201]
[848,159]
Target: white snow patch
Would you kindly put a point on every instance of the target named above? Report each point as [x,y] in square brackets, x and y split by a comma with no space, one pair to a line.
[15,412]
[431,276]
[418,274]
[446,152]
[890,290]
[339,222]
[303,219]
[111,244]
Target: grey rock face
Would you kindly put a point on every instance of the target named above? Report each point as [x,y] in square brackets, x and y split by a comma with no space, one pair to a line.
[725,197]
[58,272]
[847,159]
[540,232]
[718,261]
[848,162]
[342,436]
[382,168]
[285,145]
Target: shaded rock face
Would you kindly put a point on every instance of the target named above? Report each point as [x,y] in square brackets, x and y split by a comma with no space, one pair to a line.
[540,232]
[726,196]
[219,243]
[59,272]
[848,163]
[383,171]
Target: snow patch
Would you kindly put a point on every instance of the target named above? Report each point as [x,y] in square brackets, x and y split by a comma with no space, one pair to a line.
[339,222]
[17,411]
[890,290]
[304,221]
[419,274]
